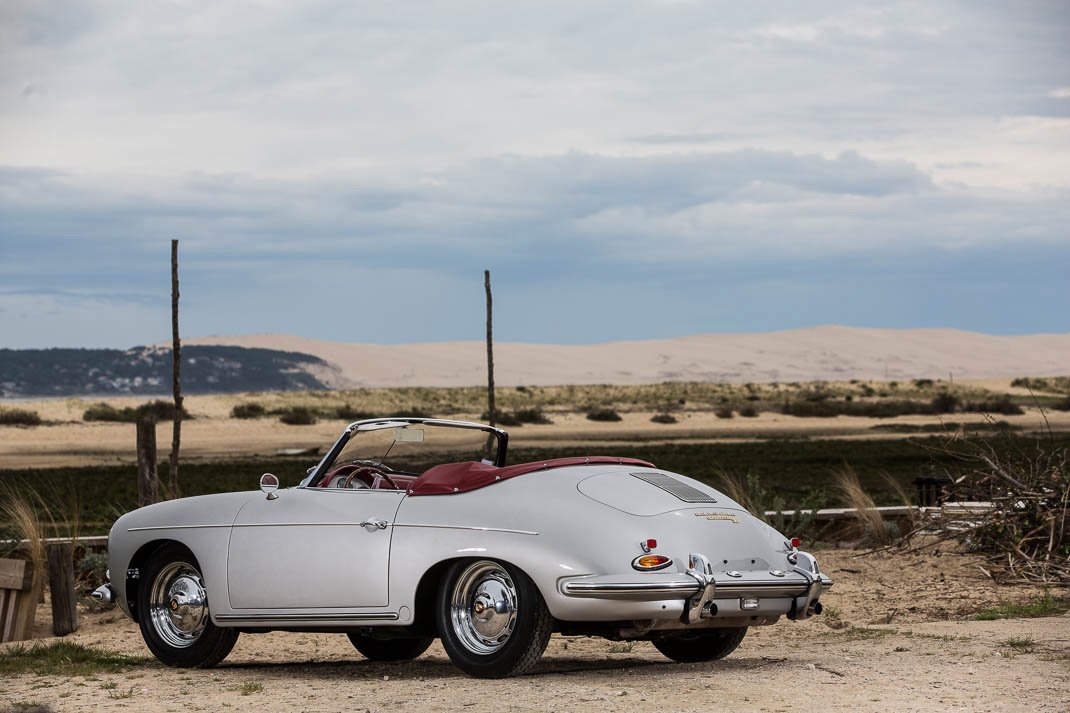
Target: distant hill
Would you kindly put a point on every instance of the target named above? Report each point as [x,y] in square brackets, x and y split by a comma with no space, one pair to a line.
[147,371]
[827,353]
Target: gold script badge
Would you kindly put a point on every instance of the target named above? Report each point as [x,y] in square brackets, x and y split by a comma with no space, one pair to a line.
[718,516]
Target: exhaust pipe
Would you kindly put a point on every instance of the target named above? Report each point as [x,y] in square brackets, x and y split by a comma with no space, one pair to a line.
[104,594]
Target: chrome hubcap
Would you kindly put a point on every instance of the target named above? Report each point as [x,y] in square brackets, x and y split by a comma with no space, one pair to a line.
[178,605]
[483,607]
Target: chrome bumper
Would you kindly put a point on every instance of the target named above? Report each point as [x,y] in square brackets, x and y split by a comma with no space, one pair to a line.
[103,593]
[703,588]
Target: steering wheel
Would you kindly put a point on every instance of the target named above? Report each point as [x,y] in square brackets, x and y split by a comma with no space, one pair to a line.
[369,476]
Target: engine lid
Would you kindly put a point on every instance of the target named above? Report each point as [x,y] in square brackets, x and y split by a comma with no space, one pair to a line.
[650,492]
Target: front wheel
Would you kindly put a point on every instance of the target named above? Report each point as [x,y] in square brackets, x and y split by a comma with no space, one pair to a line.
[698,646]
[492,620]
[389,649]
[172,604]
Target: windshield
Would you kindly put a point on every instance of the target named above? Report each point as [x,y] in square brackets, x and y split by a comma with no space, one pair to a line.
[410,448]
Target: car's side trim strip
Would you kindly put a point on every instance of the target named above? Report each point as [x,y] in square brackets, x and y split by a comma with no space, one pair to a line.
[173,527]
[385,616]
[248,524]
[468,527]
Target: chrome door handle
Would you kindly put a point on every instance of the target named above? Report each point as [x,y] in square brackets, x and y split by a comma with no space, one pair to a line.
[376,523]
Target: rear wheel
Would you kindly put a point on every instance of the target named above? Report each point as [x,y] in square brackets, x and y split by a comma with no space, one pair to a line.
[389,649]
[172,602]
[492,619]
[698,646]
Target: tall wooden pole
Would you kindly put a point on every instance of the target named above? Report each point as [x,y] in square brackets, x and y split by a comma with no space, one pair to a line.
[176,358]
[490,351]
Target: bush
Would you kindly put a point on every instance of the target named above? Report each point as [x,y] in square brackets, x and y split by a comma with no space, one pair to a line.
[298,416]
[1063,405]
[532,415]
[748,412]
[603,414]
[723,412]
[663,418]
[156,410]
[945,402]
[348,413]
[248,410]
[19,417]
[501,418]
[1002,405]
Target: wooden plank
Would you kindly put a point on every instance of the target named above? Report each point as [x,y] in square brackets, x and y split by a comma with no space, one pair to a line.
[61,584]
[15,574]
[25,608]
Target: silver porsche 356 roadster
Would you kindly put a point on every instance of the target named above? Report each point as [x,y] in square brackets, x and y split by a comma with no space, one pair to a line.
[411,529]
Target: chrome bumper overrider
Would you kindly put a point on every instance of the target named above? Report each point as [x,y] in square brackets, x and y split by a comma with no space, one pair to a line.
[702,587]
[104,594]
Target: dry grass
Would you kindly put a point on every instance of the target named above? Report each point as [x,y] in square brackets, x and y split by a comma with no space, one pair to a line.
[874,529]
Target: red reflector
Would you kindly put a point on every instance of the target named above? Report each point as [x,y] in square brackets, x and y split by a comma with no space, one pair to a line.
[795,542]
[651,544]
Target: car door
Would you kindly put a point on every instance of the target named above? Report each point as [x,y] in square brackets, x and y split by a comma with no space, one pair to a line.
[308,549]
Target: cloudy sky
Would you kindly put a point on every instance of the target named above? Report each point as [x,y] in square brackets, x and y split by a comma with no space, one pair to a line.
[625,169]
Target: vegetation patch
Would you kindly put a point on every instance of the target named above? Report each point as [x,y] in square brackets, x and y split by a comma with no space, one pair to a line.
[298,416]
[663,418]
[1043,605]
[65,658]
[19,417]
[603,414]
[155,410]
[248,410]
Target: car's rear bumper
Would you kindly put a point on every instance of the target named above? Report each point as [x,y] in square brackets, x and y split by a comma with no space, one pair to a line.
[710,594]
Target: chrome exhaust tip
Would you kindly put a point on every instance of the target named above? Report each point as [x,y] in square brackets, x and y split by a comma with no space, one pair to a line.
[103,594]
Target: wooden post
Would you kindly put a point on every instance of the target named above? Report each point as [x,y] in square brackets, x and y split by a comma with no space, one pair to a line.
[19,589]
[147,483]
[176,358]
[61,584]
[490,351]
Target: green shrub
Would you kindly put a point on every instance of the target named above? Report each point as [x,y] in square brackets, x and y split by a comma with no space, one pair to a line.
[248,410]
[663,418]
[298,416]
[1063,405]
[532,415]
[156,410]
[501,418]
[723,412]
[348,413]
[748,412]
[923,383]
[1002,405]
[945,402]
[603,414]
[19,417]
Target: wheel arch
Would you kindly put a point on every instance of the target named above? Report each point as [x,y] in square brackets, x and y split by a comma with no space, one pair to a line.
[427,589]
[137,563]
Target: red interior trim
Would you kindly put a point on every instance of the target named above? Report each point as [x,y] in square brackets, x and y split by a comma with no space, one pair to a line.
[452,478]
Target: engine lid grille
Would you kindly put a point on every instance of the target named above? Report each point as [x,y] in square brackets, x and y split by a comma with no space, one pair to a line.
[671,485]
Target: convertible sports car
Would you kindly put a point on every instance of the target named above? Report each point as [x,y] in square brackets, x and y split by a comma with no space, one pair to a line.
[411,529]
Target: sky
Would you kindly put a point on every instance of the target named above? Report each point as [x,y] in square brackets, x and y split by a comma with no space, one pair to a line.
[626,170]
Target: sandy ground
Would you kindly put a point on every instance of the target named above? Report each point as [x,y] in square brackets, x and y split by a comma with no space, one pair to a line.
[828,353]
[69,441]
[899,638]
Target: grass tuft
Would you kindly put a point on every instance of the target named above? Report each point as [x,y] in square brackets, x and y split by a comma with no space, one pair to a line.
[1043,605]
[65,658]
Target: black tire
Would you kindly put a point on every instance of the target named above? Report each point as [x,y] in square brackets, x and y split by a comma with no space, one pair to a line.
[698,646]
[173,612]
[389,649]
[491,618]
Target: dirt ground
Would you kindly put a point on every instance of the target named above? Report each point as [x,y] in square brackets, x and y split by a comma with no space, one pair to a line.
[898,635]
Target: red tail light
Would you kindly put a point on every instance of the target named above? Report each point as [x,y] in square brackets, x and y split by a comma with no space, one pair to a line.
[795,542]
[651,563]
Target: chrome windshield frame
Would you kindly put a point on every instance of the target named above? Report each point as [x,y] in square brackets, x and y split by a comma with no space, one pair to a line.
[375,424]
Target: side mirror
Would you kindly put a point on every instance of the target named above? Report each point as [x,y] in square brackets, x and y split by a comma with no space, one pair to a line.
[269,484]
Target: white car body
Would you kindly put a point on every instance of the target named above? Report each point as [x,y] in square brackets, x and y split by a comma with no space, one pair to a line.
[370,559]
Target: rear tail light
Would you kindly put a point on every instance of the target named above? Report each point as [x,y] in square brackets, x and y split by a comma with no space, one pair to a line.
[651,563]
[795,542]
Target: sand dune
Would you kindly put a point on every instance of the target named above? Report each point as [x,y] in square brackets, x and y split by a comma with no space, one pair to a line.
[828,353]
